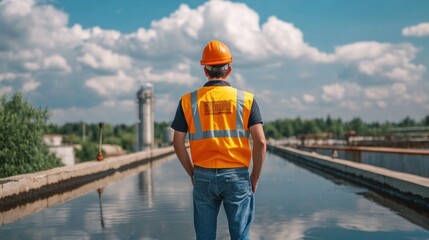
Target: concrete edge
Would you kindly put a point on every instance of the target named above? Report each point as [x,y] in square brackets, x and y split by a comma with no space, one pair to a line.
[408,187]
[25,183]
[20,211]
[372,149]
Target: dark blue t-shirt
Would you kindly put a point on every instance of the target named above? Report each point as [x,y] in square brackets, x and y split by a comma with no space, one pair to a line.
[179,123]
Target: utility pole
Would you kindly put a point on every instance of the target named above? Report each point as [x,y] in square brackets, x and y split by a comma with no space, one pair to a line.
[83,132]
[100,154]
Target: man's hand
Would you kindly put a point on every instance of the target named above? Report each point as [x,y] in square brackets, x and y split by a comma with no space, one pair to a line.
[254,183]
[182,153]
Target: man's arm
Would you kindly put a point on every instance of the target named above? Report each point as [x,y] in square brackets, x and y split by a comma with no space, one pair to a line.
[182,153]
[258,153]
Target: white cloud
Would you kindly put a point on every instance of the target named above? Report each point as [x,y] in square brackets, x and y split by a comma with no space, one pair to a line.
[100,113]
[351,105]
[420,97]
[308,98]
[333,92]
[355,97]
[107,38]
[53,62]
[108,86]
[112,103]
[142,36]
[170,38]
[240,82]
[99,58]
[22,7]
[361,50]
[234,23]
[381,104]
[25,54]
[399,88]
[283,38]
[292,102]
[392,61]
[5,90]
[56,62]
[175,76]
[265,96]
[16,79]
[184,18]
[12,76]
[376,93]
[419,30]
[30,86]
[27,24]
[165,102]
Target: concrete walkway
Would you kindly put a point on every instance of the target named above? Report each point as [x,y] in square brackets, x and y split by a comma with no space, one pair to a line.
[411,188]
[408,151]
[30,187]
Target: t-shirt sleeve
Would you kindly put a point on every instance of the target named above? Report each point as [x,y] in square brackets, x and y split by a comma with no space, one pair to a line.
[255,115]
[179,123]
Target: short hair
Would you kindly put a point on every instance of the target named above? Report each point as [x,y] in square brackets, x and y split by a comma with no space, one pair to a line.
[217,71]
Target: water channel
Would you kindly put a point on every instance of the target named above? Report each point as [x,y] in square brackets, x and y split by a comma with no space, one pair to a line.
[154,202]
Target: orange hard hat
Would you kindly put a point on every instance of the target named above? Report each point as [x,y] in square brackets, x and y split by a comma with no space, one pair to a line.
[215,53]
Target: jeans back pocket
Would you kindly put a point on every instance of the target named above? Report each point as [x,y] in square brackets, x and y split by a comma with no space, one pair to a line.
[201,188]
[237,188]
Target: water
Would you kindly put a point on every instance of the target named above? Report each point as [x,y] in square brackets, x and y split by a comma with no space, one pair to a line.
[155,202]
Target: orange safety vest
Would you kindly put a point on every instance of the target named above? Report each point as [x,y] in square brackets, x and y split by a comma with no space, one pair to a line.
[217,118]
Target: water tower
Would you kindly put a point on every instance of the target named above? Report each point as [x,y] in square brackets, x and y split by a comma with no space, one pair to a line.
[146,125]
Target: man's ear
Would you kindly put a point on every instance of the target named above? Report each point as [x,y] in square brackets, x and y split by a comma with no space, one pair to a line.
[229,70]
[205,71]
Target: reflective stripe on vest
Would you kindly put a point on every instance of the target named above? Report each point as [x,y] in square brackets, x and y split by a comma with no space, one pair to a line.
[200,134]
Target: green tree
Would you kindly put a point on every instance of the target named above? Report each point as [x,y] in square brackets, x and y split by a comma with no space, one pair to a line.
[159,131]
[271,131]
[358,125]
[338,128]
[311,126]
[21,138]
[425,121]
[407,122]
[289,127]
[88,152]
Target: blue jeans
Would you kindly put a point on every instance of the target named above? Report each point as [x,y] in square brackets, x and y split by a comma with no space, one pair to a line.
[230,186]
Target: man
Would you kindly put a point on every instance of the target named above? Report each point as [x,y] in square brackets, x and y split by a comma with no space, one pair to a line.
[219,119]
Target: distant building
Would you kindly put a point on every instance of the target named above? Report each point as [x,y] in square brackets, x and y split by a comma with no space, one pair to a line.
[53,140]
[146,124]
[63,152]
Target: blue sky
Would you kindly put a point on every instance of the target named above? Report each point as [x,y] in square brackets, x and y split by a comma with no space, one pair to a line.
[85,60]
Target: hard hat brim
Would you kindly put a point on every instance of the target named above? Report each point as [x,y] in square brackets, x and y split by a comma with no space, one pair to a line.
[216,62]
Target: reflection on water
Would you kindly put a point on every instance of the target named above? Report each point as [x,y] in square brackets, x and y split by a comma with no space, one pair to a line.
[100,191]
[145,185]
[156,203]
